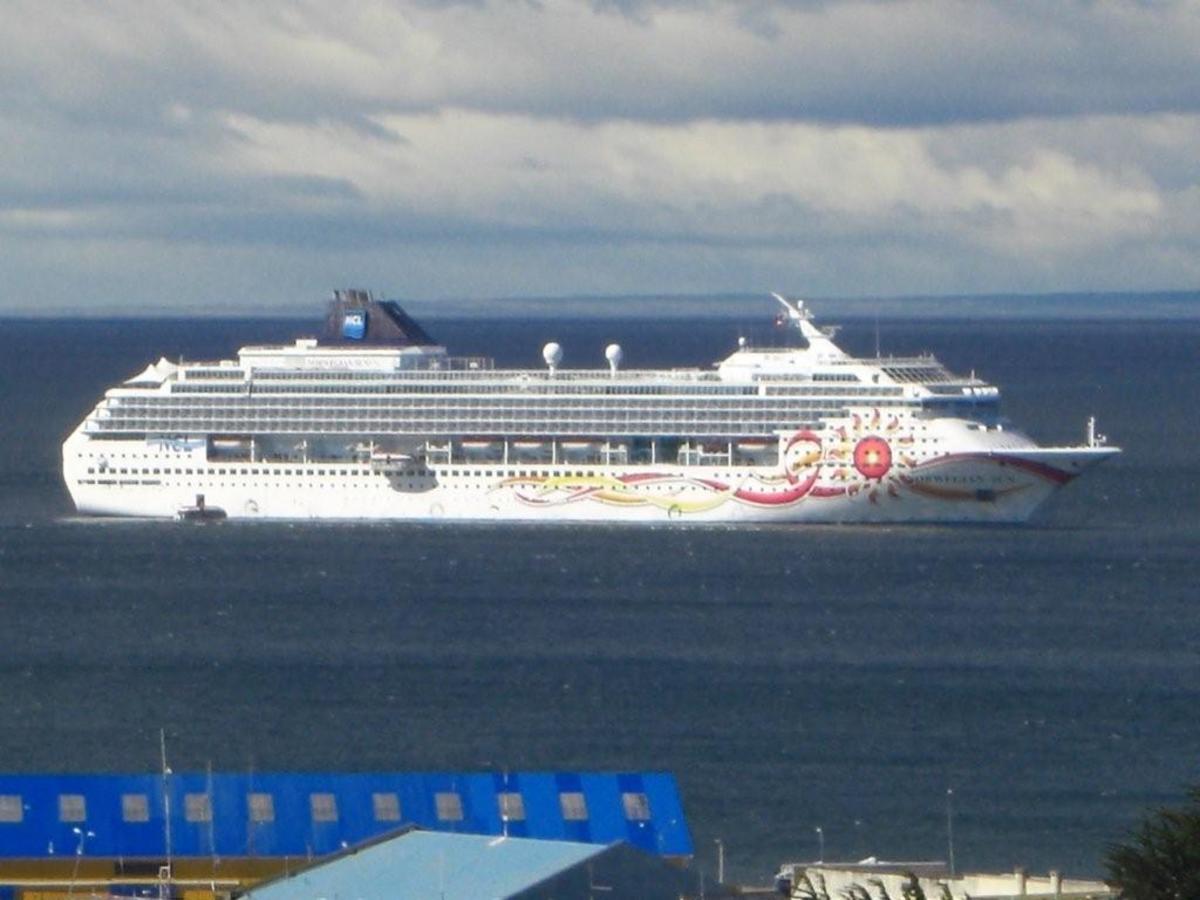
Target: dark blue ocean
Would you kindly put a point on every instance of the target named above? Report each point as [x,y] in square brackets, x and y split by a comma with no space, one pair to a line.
[791,677]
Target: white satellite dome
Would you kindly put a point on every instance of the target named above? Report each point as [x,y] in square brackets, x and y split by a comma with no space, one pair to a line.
[614,354]
[552,353]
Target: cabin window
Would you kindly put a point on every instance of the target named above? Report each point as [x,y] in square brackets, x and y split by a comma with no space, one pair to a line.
[574,806]
[197,808]
[324,807]
[12,810]
[72,808]
[386,806]
[449,806]
[261,807]
[135,808]
[637,807]
[512,806]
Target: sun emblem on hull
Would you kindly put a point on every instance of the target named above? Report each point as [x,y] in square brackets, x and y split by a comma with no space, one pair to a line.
[873,457]
[869,454]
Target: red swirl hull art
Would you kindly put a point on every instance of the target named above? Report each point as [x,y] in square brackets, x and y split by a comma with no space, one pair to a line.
[809,436]
[1049,473]
[679,494]
[784,497]
[867,458]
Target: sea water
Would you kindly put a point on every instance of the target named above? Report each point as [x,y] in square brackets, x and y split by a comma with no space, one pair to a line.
[793,678]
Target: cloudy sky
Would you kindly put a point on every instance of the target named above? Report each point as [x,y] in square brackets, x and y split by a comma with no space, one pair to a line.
[189,155]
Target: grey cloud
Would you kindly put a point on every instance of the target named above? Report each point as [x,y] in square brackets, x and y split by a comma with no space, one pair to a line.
[884,63]
[619,146]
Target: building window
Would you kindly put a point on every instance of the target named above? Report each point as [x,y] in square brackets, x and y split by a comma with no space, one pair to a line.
[72,808]
[512,806]
[574,806]
[387,807]
[197,808]
[135,808]
[324,807]
[12,811]
[637,807]
[261,807]
[449,806]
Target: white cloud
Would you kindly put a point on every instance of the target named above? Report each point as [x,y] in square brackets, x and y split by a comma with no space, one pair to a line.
[721,181]
[563,146]
[900,62]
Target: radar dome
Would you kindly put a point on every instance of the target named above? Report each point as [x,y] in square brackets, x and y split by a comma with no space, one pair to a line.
[614,355]
[552,353]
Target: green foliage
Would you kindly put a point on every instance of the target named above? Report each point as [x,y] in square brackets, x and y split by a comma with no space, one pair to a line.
[1161,861]
[912,888]
[804,889]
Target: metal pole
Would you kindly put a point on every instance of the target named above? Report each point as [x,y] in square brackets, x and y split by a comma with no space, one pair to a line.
[166,796]
[720,860]
[950,827]
[820,843]
[83,836]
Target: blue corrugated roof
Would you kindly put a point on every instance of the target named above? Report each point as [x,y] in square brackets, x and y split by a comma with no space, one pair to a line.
[428,864]
[317,813]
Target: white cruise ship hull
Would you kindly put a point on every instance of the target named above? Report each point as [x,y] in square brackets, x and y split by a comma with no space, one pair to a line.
[378,422]
[948,484]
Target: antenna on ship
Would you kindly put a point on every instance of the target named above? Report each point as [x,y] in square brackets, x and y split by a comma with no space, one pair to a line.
[794,313]
[820,340]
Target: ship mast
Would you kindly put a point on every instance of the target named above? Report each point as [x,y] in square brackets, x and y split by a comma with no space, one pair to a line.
[820,341]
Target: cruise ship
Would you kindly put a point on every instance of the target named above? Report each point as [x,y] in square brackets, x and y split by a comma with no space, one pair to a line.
[376,420]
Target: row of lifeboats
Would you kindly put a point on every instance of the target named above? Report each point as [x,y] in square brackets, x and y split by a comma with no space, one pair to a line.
[534,449]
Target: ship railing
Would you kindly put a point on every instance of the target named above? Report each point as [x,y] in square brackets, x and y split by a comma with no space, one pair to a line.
[468,421]
[453,364]
[955,387]
[597,376]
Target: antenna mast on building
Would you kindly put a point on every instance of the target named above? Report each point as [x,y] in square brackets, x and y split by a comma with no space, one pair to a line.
[164,873]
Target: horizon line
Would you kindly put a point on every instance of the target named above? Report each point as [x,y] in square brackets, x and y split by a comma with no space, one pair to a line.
[1049,304]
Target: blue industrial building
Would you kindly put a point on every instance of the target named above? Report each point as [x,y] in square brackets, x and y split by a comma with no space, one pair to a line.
[294,815]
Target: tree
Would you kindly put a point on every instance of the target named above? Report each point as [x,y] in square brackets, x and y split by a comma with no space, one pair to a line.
[911,889]
[1161,860]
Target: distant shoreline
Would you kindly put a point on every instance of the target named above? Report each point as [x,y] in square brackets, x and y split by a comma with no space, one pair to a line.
[1064,305]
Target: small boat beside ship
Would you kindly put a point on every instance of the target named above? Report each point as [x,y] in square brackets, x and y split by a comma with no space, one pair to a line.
[200,511]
